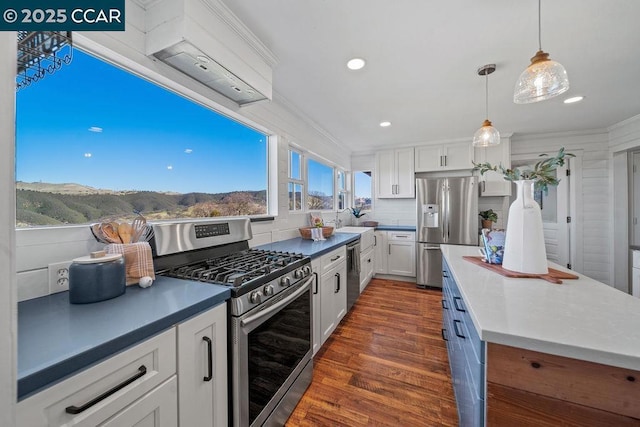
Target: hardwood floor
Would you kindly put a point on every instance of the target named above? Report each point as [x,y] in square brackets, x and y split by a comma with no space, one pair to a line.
[385,365]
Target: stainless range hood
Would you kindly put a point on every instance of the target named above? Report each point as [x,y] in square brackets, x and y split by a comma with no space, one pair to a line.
[204,40]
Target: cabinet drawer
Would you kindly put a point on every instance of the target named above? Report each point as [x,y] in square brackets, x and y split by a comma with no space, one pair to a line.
[407,236]
[333,258]
[128,375]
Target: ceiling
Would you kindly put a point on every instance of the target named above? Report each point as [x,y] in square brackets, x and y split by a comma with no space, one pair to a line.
[422,60]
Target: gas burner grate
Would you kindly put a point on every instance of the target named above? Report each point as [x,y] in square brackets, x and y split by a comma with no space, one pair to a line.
[235,269]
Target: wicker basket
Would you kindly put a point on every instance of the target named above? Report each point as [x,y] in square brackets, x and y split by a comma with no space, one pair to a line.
[305,232]
[369,223]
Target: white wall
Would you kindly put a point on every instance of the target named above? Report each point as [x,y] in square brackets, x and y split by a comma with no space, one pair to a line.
[8,347]
[592,218]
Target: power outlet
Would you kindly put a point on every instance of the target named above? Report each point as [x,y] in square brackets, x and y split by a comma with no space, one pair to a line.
[59,276]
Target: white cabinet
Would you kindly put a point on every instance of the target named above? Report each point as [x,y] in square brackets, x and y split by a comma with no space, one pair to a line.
[124,385]
[316,304]
[380,251]
[455,156]
[183,367]
[395,253]
[493,183]
[395,174]
[202,369]
[367,263]
[402,253]
[333,291]
[367,260]
[635,274]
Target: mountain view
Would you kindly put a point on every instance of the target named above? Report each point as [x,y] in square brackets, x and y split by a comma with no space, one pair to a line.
[58,204]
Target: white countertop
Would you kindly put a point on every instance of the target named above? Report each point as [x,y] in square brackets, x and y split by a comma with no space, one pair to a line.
[582,319]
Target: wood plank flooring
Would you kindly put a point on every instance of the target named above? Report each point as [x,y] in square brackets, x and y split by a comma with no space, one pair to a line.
[385,365]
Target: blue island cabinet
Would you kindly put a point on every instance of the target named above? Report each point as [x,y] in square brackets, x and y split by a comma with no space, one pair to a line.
[466,353]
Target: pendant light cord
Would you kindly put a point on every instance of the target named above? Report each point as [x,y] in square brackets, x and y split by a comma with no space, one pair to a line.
[539,26]
[486,87]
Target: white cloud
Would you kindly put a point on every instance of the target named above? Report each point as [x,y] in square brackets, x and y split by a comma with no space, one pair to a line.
[169,167]
[188,150]
[87,155]
[95,129]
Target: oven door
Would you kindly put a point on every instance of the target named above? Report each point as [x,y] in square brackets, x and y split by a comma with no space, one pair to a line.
[271,348]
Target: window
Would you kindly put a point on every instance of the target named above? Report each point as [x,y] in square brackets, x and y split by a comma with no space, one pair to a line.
[296,184]
[320,184]
[94,142]
[341,187]
[362,190]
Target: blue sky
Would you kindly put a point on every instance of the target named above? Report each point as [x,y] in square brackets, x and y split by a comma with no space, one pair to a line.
[93,124]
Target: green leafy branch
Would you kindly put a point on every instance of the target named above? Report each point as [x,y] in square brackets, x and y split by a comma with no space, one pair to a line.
[542,172]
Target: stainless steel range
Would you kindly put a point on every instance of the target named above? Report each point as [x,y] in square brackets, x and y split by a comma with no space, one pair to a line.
[270,323]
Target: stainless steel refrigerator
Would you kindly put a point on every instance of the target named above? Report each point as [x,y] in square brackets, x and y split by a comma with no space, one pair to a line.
[447,213]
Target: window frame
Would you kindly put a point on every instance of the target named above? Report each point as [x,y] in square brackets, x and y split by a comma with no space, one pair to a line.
[333,186]
[294,181]
[353,186]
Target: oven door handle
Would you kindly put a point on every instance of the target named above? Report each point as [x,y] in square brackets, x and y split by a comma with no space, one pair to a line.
[267,311]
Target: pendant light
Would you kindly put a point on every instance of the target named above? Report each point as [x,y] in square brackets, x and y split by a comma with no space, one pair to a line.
[487,135]
[543,79]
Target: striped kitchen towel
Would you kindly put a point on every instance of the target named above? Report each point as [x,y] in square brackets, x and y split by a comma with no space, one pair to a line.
[138,260]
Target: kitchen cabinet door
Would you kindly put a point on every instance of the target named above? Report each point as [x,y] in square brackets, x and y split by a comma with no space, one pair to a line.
[366,268]
[202,369]
[316,306]
[493,183]
[395,174]
[380,251]
[401,253]
[333,296]
[456,156]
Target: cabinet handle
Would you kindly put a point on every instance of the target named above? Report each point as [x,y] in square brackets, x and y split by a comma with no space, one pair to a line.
[375,240]
[389,248]
[335,259]
[337,276]
[484,186]
[315,291]
[455,328]
[445,160]
[458,307]
[209,358]
[441,161]
[369,260]
[444,305]
[444,273]
[444,337]
[73,410]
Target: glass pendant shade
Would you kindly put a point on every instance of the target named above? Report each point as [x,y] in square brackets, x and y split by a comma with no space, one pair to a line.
[542,80]
[486,136]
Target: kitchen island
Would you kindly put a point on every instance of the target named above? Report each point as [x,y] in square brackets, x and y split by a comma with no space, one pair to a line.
[530,352]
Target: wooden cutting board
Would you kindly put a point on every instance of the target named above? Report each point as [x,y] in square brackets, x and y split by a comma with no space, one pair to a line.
[554,276]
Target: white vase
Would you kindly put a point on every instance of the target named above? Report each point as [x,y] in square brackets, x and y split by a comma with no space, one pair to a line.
[524,249]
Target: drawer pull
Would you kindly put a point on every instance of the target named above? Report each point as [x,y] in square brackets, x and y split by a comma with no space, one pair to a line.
[209,359]
[444,273]
[335,259]
[458,307]
[142,370]
[444,305]
[456,330]
[444,337]
[536,365]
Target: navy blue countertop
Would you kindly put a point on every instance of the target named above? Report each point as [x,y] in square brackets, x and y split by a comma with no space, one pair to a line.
[309,247]
[396,227]
[56,338]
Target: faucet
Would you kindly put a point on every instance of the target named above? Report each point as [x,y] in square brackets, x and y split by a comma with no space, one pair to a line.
[338,221]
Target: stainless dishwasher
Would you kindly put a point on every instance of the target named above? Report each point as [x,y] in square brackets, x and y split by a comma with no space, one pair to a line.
[353,273]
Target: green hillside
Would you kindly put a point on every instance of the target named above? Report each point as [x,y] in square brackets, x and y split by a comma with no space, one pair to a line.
[52,208]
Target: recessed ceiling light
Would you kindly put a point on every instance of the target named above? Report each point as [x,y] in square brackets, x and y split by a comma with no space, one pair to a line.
[573,99]
[355,63]
[385,124]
